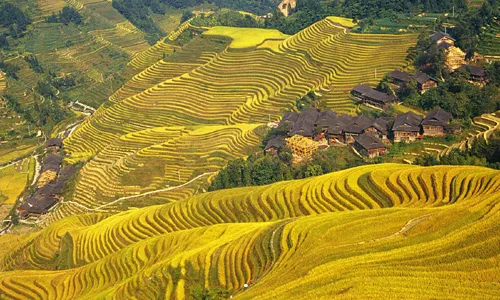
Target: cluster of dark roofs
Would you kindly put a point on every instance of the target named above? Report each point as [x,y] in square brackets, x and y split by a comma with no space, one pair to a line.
[420,77]
[437,117]
[46,197]
[369,141]
[407,122]
[54,142]
[370,93]
[52,162]
[475,71]
[312,121]
[411,122]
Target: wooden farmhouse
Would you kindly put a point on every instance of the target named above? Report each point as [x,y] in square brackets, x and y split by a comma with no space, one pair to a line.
[275,145]
[367,94]
[477,74]
[435,122]
[441,38]
[424,81]
[368,145]
[406,127]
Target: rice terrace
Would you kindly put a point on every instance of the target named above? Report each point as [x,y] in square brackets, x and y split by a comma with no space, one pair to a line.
[253,149]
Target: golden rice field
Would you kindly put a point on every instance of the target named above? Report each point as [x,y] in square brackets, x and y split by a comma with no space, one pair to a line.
[209,85]
[154,159]
[384,231]
[246,37]
[13,179]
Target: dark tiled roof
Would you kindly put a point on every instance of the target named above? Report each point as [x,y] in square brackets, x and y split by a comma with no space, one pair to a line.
[437,117]
[422,78]
[290,116]
[381,125]
[444,46]
[326,118]
[358,124]
[362,88]
[400,75]
[53,142]
[407,122]
[436,36]
[368,141]
[38,206]
[370,93]
[277,142]
[305,123]
[473,70]
[52,162]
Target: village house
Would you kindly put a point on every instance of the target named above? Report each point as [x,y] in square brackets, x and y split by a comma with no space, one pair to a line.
[355,127]
[424,82]
[477,73]
[406,127]
[275,145]
[367,94]
[305,124]
[379,128]
[400,78]
[368,145]
[435,122]
[53,144]
[455,57]
[36,206]
[441,38]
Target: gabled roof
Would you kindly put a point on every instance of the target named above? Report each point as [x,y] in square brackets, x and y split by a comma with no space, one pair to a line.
[38,206]
[422,78]
[400,75]
[305,122]
[53,142]
[368,92]
[437,117]
[326,118]
[381,125]
[368,141]
[290,116]
[277,142]
[407,122]
[358,124]
[473,70]
[436,36]
[52,162]
[362,88]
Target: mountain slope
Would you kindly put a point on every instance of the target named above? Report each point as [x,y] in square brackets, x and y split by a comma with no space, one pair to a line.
[369,232]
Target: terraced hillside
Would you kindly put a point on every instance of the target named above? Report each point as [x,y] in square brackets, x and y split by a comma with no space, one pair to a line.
[431,232]
[210,83]
[153,160]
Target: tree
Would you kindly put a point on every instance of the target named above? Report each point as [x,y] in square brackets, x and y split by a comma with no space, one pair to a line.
[314,170]
[4,43]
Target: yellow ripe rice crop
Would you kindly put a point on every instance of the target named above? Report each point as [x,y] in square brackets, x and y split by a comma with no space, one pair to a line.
[13,179]
[246,37]
[311,238]
[349,23]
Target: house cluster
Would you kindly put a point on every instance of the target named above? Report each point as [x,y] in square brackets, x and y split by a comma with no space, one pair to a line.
[48,188]
[455,57]
[368,136]
[455,60]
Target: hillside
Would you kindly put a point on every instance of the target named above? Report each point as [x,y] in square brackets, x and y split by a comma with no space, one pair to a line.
[401,228]
[217,84]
